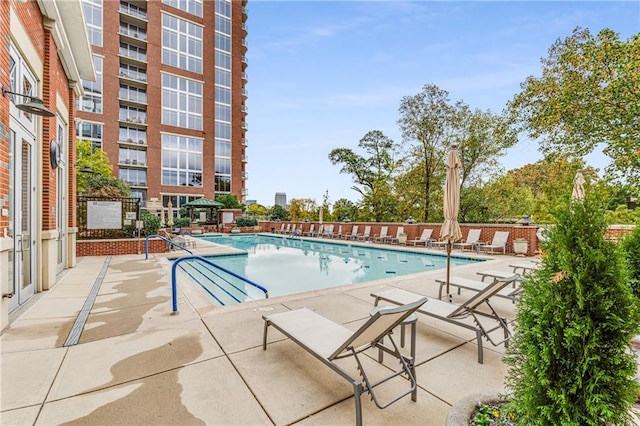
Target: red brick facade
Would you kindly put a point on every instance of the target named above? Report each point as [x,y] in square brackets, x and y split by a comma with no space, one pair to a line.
[117,247]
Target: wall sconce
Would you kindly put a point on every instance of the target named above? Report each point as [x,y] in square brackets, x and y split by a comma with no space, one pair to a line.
[34,106]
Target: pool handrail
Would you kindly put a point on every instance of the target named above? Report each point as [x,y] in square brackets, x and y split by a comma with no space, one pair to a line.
[146,244]
[174,291]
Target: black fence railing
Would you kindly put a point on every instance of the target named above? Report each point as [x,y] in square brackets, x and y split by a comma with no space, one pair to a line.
[107,217]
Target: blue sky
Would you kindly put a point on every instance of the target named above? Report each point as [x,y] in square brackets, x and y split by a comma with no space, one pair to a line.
[324,73]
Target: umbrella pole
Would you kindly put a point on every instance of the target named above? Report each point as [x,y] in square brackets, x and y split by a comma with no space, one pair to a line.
[449,269]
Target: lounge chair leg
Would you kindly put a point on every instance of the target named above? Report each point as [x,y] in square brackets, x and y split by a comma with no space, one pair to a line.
[357,391]
[264,335]
[480,349]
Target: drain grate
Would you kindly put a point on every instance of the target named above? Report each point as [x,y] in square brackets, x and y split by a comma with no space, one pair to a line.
[78,325]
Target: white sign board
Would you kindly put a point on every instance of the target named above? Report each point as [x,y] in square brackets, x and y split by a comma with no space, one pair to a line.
[227,217]
[130,215]
[203,216]
[104,215]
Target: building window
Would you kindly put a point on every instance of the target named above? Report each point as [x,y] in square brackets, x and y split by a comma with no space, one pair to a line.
[181,161]
[134,157]
[92,132]
[140,194]
[193,7]
[133,10]
[181,102]
[132,135]
[92,99]
[181,43]
[93,16]
[223,24]
[223,7]
[223,184]
[134,177]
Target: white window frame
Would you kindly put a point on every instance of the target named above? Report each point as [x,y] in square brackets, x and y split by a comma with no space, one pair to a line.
[187,54]
[181,107]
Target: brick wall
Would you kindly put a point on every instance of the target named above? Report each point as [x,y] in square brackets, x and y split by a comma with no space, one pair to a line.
[116,247]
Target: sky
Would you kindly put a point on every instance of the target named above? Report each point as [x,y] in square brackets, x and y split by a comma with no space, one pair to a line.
[321,74]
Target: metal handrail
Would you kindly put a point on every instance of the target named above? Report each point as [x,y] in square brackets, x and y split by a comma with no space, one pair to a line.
[174,291]
[146,244]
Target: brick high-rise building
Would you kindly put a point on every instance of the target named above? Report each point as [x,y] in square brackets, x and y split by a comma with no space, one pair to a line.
[168,106]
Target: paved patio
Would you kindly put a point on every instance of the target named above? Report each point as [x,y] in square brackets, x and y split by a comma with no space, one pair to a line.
[135,363]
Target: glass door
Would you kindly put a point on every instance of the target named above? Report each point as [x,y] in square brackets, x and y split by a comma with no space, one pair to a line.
[21,216]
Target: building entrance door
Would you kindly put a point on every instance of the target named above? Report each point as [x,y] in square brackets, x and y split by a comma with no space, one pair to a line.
[21,215]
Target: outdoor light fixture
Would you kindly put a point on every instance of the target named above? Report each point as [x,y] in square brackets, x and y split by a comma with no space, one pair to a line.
[34,106]
[526,220]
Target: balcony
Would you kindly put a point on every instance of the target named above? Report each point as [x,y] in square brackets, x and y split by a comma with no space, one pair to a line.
[245,76]
[245,45]
[133,10]
[136,34]
[136,55]
[245,93]
[245,159]
[133,75]
[245,175]
[245,142]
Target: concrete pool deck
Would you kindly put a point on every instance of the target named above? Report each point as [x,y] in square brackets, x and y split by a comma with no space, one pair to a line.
[135,363]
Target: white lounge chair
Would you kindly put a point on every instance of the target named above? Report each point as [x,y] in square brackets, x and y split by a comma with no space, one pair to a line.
[353,235]
[499,242]
[425,238]
[328,231]
[319,232]
[466,315]
[382,237]
[309,233]
[366,235]
[472,238]
[329,341]
[395,240]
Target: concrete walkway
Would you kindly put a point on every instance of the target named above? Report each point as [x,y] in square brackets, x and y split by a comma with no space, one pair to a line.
[135,363]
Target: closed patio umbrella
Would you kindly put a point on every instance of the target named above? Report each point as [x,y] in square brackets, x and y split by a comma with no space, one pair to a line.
[170,214]
[450,228]
[578,187]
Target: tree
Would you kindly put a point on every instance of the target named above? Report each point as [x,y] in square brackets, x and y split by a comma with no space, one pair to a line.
[372,174]
[570,360]
[257,210]
[230,201]
[431,123]
[302,208]
[96,160]
[507,199]
[106,186]
[277,212]
[587,96]
[427,122]
[345,209]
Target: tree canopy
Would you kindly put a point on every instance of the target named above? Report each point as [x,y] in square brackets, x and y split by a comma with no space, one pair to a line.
[588,96]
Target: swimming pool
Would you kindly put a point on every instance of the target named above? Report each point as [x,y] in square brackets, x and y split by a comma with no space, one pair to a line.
[294,265]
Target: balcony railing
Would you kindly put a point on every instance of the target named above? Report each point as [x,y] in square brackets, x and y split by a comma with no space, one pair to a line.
[133,10]
[141,35]
[133,75]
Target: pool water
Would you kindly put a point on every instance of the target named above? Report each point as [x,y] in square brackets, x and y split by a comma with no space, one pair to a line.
[294,265]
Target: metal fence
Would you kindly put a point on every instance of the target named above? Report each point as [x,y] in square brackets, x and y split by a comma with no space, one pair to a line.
[107,217]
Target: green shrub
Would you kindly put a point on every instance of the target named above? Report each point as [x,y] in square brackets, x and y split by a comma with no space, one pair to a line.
[570,361]
[184,222]
[151,223]
[246,221]
[631,247]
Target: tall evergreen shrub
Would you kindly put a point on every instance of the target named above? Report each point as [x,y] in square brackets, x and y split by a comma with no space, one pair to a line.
[570,361]
[631,246]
